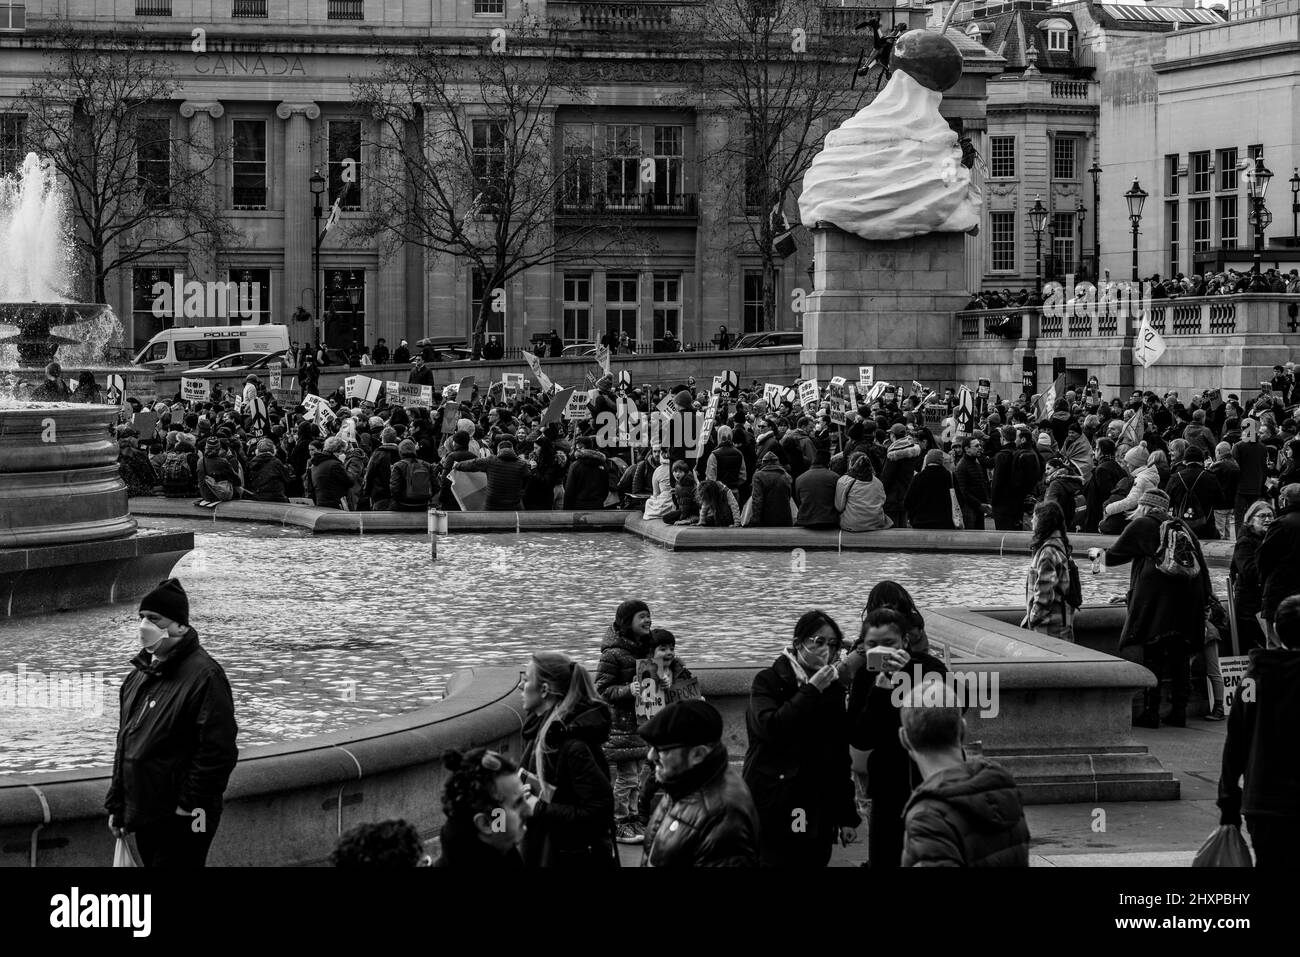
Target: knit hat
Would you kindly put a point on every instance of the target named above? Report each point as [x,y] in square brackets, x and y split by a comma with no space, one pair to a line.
[376,422]
[212,446]
[683,724]
[769,458]
[1044,440]
[684,399]
[1155,499]
[1135,458]
[169,600]
[465,425]
[406,447]
[898,430]
[265,447]
[933,457]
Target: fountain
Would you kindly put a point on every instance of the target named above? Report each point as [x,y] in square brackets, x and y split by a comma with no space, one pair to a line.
[67,538]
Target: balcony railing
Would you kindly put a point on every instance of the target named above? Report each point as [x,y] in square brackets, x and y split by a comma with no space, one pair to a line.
[630,204]
[617,17]
[240,9]
[153,8]
[1070,89]
[346,10]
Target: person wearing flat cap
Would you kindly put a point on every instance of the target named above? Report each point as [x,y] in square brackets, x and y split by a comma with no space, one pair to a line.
[175,740]
[705,816]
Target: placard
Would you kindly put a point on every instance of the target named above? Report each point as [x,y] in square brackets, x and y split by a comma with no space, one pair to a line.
[466,391]
[362,387]
[195,390]
[867,377]
[772,394]
[558,406]
[145,423]
[809,393]
[512,382]
[729,381]
[275,372]
[984,388]
[535,366]
[1233,669]
[115,388]
[257,412]
[576,410]
[841,400]
[413,396]
[964,414]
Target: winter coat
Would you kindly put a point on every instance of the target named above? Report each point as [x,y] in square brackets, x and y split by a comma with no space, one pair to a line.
[330,480]
[1202,438]
[268,478]
[1158,604]
[1192,481]
[727,465]
[901,462]
[374,483]
[1064,489]
[175,738]
[1247,591]
[136,472]
[1261,742]
[1251,464]
[861,505]
[660,502]
[971,481]
[571,827]
[587,486]
[966,816]
[929,498]
[1046,610]
[463,850]
[1279,560]
[1105,476]
[1145,479]
[614,676]
[771,497]
[799,451]
[815,493]
[705,818]
[506,475]
[1015,473]
[798,758]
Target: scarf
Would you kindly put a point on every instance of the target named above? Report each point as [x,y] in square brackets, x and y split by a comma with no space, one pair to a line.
[800,672]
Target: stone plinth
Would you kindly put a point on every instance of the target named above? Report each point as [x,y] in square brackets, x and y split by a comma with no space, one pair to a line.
[883,303]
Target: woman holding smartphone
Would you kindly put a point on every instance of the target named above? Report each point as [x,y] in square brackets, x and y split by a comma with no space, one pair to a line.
[570,798]
[797,766]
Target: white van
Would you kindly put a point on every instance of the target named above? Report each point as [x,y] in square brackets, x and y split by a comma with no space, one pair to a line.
[190,346]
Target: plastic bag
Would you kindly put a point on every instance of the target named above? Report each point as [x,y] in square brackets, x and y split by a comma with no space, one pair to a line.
[122,856]
[1224,848]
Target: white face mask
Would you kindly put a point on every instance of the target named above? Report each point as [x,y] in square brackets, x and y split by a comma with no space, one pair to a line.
[151,636]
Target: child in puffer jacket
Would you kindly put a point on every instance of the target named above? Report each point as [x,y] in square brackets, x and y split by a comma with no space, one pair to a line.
[625,643]
[661,680]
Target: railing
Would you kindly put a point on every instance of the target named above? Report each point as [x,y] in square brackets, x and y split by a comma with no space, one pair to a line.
[609,17]
[995,323]
[657,347]
[247,8]
[630,204]
[153,8]
[1049,326]
[1070,89]
[345,10]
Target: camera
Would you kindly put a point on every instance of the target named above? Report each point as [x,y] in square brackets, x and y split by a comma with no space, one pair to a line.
[878,658]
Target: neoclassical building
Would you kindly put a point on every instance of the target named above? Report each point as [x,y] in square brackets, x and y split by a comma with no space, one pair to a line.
[276,80]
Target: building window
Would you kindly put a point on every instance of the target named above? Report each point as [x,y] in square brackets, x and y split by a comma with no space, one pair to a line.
[1063,149]
[1202,178]
[622,166]
[1063,226]
[1228,169]
[667,305]
[1228,222]
[345,320]
[345,10]
[622,304]
[1201,226]
[249,184]
[1003,241]
[144,323]
[1171,227]
[489,8]
[754,308]
[1058,41]
[576,188]
[496,321]
[668,158]
[1171,174]
[577,308]
[247,8]
[488,144]
[153,160]
[345,144]
[12,130]
[251,293]
[1002,157]
[1255,152]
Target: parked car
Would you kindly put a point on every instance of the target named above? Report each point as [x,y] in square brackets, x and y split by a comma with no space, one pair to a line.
[237,360]
[446,348]
[579,350]
[768,340]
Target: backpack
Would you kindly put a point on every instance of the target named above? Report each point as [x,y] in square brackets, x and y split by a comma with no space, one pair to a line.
[176,474]
[419,482]
[1189,508]
[1073,586]
[1176,555]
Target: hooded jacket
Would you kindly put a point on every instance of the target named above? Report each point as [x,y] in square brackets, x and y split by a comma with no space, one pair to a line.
[1046,610]
[587,485]
[1064,488]
[705,818]
[329,479]
[902,459]
[506,475]
[574,826]
[374,483]
[1261,742]
[929,500]
[175,738]
[861,504]
[1144,480]
[800,452]
[268,478]
[966,816]
[1279,560]
[771,496]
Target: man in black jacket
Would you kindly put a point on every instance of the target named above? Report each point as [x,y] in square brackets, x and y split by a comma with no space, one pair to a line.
[928,502]
[1106,474]
[175,740]
[706,816]
[506,475]
[1194,494]
[1279,553]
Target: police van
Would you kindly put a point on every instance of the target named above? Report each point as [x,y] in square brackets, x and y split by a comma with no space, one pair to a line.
[185,347]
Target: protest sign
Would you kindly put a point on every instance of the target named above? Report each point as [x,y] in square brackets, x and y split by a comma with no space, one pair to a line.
[576,410]
[535,366]
[729,381]
[840,401]
[195,390]
[964,414]
[1150,345]
[624,381]
[555,411]
[275,374]
[363,388]
[470,489]
[809,393]
[413,396]
[512,381]
[866,378]
[257,411]
[466,391]
[771,394]
[602,359]
[1233,669]
[875,392]
[984,388]
[145,423]
[115,387]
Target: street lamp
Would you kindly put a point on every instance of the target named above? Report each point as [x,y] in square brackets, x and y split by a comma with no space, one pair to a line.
[354,298]
[1081,214]
[317,182]
[1037,220]
[1095,172]
[1295,203]
[1135,197]
[1258,187]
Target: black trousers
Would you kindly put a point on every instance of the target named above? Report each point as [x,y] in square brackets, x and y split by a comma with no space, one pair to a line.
[1008,519]
[885,837]
[173,842]
[1275,840]
[1167,658]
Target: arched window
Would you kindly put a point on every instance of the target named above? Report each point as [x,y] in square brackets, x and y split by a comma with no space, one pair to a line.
[1060,35]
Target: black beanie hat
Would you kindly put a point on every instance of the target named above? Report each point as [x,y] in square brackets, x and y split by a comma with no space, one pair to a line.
[169,600]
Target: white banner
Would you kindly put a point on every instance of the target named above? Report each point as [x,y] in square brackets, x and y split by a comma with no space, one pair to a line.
[1150,345]
[362,387]
[809,393]
[535,366]
[867,377]
[512,381]
[772,394]
[275,370]
[195,390]
[602,358]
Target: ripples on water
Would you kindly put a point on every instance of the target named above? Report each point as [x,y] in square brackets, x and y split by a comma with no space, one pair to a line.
[303,623]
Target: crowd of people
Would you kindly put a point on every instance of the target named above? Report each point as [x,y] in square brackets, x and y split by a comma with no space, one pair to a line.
[1227,283]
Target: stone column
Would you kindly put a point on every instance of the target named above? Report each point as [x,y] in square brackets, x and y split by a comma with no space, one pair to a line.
[298,228]
[202,163]
[389,307]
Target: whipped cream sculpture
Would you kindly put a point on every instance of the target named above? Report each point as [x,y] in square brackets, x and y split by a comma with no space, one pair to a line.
[894,169]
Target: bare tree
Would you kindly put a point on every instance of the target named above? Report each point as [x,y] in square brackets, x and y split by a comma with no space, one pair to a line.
[478,175]
[780,77]
[100,113]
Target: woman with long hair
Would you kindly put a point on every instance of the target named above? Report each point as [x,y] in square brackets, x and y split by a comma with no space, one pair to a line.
[484,803]
[797,765]
[1047,581]
[570,799]
[1243,575]
[890,594]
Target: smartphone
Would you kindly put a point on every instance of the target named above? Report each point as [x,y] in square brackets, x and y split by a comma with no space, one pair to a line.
[878,658]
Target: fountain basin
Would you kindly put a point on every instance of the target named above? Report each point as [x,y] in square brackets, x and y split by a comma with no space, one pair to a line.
[35,341]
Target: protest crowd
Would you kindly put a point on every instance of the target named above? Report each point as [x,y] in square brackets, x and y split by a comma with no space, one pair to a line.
[633,754]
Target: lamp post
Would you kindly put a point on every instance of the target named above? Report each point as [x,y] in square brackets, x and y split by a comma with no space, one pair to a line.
[354,298]
[1081,214]
[1295,203]
[1136,196]
[1258,187]
[317,182]
[1037,220]
[1095,172]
